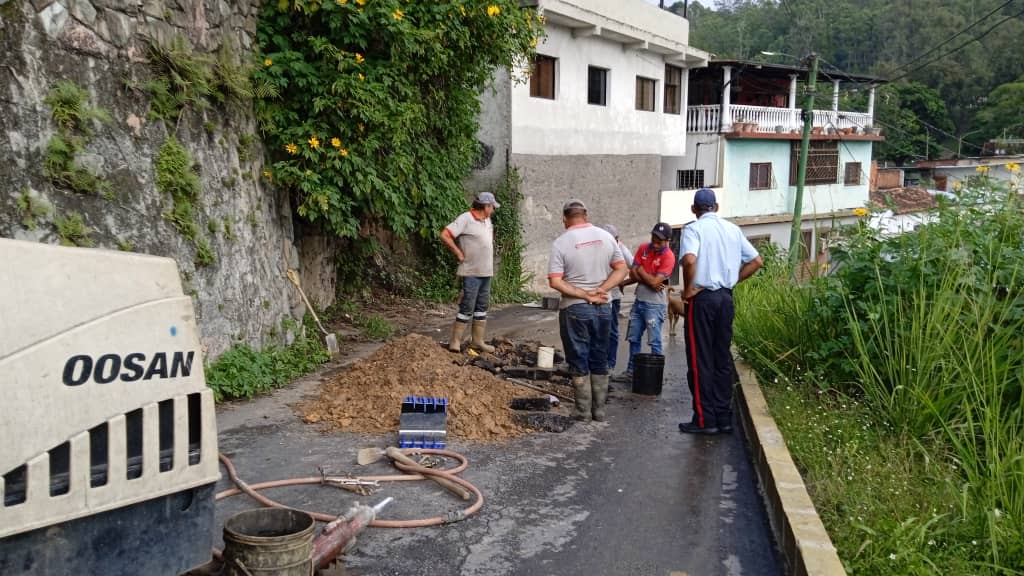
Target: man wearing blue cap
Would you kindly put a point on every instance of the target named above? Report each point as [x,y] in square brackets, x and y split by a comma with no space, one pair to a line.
[716,257]
[471,239]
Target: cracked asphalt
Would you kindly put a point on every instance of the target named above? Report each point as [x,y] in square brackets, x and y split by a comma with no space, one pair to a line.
[631,496]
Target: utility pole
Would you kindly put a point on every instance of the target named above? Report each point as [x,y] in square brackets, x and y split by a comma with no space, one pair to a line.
[801,173]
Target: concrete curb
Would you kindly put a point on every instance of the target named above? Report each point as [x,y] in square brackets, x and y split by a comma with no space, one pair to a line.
[805,545]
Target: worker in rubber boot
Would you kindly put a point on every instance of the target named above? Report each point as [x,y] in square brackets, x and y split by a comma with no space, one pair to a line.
[471,239]
[586,263]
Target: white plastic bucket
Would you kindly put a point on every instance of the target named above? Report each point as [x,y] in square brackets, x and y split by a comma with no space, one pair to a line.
[545,357]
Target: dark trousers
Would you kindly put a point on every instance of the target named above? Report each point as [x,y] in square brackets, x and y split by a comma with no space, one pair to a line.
[613,334]
[709,372]
[584,331]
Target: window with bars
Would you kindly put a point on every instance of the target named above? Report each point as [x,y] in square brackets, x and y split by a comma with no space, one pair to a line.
[760,175]
[645,93]
[689,179]
[822,162]
[597,86]
[673,89]
[853,171]
[542,80]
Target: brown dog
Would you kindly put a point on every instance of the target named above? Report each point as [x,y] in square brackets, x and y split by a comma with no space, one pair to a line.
[676,310]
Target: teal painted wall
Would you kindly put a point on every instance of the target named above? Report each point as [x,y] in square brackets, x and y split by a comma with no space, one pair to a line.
[824,198]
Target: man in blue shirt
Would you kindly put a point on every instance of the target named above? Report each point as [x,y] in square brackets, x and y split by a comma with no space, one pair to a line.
[716,257]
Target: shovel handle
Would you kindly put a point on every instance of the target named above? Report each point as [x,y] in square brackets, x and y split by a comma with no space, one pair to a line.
[397,455]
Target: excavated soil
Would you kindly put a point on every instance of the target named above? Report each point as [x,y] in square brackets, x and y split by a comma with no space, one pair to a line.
[368,396]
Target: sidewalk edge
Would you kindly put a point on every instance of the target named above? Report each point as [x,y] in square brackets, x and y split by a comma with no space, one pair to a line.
[798,530]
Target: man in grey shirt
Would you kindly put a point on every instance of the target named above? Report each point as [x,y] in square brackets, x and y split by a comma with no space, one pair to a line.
[616,299]
[471,239]
[585,265]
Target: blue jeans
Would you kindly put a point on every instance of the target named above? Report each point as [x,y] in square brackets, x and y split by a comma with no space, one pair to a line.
[613,335]
[476,294]
[584,331]
[649,317]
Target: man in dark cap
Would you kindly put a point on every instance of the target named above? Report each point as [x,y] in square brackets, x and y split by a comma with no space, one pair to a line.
[652,267]
[716,257]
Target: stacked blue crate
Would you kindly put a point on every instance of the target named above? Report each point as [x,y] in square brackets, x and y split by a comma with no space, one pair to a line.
[423,422]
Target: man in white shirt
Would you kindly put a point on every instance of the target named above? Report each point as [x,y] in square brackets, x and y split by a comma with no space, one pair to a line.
[716,257]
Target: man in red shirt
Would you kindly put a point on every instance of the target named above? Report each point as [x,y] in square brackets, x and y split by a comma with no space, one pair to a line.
[652,267]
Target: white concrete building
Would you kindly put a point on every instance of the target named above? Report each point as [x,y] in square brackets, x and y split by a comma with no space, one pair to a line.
[604,107]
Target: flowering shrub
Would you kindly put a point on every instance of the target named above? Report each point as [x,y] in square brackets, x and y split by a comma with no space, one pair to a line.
[375,115]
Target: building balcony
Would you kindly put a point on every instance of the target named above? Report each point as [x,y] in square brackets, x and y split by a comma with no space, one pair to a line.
[754,121]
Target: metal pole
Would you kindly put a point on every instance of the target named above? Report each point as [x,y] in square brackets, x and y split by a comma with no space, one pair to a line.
[801,174]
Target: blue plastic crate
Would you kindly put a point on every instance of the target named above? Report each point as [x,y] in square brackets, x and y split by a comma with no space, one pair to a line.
[423,422]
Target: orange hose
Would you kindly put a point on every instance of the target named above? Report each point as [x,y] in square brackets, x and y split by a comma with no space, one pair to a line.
[412,473]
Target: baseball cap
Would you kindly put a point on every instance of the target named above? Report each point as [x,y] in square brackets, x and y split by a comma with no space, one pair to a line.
[611,229]
[487,198]
[662,231]
[705,197]
[574,203]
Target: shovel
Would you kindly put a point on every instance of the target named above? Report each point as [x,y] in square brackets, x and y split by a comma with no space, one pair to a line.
[371,455]
[330,340]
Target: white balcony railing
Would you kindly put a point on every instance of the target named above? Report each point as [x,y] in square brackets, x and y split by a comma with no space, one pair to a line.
[708,119]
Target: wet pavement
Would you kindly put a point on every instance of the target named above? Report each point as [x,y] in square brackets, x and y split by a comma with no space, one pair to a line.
[631,496]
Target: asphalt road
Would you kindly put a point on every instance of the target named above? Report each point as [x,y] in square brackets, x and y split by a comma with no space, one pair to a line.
[631,496]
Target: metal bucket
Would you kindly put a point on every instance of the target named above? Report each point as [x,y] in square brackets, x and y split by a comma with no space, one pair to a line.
[268,541]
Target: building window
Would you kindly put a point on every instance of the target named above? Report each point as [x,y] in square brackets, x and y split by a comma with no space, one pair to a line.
[542,80]
[597,86]
[822,162]
[673,89]
[645,93]
[689,179]
[852,174]
[760,175]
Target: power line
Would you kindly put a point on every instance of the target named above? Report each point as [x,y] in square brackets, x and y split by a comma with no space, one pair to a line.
[958,48]
[951,38]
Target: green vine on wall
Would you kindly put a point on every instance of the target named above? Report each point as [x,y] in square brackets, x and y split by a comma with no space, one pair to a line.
[509,280]
[70,109]
[375,116]
[175,177]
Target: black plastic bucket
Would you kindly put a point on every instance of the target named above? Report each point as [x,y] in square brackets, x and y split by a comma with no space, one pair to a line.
[648,372]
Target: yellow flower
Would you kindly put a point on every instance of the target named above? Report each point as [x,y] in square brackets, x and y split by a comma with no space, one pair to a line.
[314,142]
[957,185]
[336,142]
[533,43]
[361,77]
[860,211]
[493,10]
[982,169]
[343,151]
[267,175]
[268,62]
[462,9]
[397,14]
[1013,167]
[341,2]
[359,58]
[291,148]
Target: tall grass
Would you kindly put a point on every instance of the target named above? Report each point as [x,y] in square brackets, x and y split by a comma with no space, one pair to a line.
[910,358]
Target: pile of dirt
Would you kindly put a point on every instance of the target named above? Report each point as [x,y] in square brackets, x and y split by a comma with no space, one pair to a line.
[368,396]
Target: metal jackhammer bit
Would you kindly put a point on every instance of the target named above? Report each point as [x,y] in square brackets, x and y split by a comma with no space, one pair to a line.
[340,534]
